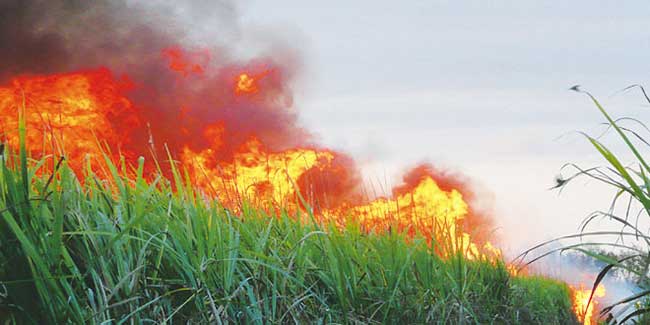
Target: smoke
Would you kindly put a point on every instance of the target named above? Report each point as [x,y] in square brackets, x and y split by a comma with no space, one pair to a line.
[54,36]
[169,85]
[51,36]
[45,37]
[179,87]
[580,270]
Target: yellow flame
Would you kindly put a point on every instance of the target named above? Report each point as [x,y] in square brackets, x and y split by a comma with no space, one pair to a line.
[581,298]
[254,175]
[245,84]
[427,210]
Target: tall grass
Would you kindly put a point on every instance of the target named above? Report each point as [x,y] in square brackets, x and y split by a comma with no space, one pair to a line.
[125,249]
[629,251]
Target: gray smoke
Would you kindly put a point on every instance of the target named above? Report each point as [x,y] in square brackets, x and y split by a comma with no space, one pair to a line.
[49,36]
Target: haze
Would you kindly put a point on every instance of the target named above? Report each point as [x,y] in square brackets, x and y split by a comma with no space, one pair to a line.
[477,87]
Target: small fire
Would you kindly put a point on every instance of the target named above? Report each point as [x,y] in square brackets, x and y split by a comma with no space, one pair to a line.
[581,296]
[185,63]
[246,84]
[515,269]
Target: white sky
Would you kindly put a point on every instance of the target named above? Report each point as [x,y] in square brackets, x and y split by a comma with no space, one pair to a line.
[479,87]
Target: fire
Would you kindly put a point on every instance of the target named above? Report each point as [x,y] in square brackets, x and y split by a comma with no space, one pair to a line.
[423,207]
[185,63]
[245,84]
[235,148]
[581,298]
[68,113]
[514,270]
[230,124]
[427,210]
[254,175]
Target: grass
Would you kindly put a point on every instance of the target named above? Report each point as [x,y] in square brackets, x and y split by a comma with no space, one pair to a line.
[125,249]
[628,254]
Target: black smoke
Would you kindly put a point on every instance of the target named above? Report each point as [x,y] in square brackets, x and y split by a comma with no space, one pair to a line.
[51,36]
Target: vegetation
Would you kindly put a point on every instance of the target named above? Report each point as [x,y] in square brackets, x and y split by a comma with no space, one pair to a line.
[628,254]
[124,249]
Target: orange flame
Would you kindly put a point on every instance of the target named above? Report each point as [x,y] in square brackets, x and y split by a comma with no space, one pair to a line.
[183,62]
[581,298]
[68,113]
[234,149]
[254,174]
[426,210]
[246,84]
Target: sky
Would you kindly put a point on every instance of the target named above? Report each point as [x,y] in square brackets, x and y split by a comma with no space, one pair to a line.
[477,87]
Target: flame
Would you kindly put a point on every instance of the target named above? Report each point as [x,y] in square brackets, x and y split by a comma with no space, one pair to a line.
[246,84]
[426,210]
[235,147]
[185,63]
[254,175]
[68,113]
[581,298]
[514,270]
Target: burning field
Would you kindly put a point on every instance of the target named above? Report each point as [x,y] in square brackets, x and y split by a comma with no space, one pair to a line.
[148,179]
[232,127]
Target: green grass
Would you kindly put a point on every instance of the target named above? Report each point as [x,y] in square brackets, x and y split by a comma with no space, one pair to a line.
[628,253]
[131,250]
